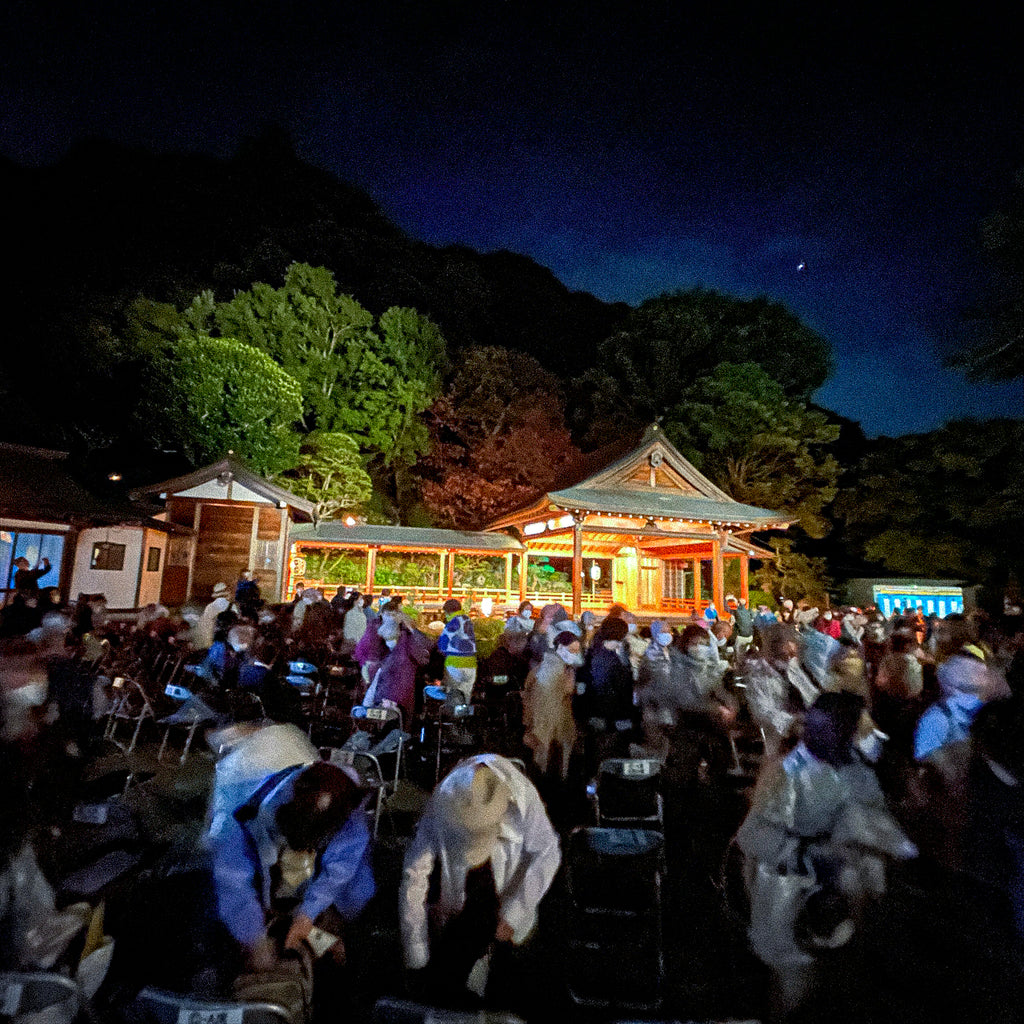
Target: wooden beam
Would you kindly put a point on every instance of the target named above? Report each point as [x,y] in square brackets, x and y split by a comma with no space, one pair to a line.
[451,573]
[508,578]
[285,558]
[523,558]
[745,578]
[696,584]
[441,575]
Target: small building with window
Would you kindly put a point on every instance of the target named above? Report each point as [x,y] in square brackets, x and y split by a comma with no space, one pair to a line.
[95,544]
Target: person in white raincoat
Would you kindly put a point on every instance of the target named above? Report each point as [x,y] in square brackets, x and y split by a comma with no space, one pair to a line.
[486,839]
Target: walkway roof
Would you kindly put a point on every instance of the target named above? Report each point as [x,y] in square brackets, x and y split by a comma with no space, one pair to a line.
[405,538]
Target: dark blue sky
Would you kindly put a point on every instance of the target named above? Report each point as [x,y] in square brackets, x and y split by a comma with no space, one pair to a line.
[632,148]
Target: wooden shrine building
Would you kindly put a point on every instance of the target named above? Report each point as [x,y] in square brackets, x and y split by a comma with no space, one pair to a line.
[237,520]
[667,536]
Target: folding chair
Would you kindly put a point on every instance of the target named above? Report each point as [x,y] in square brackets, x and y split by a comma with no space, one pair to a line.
[131,705]
[400,1011]
[626,793]
[157,1006]
[38,995]
[189,717]
[614,955]
[374,765]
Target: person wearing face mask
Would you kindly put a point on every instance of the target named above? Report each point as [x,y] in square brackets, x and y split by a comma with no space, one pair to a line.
[517,630]
[542,638]
[655,690]
[395,680]
[779,691]
[550,730]
[607,702]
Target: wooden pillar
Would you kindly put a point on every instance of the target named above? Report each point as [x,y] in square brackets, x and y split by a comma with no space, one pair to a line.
[508,579]
[696,585]
[718,573]
[371,568]
[284,566]
[451,573]
[441,575]
[523,556]
[577,567]
[196,518]
[745,578]
[254,537]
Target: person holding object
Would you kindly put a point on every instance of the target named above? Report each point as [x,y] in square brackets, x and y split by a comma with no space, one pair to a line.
[295,854]
[486,844]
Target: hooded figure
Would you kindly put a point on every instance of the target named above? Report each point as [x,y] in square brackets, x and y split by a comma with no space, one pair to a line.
[778,689]
[966,682]
[395,680]
[486,837]
[814,844]
[202,636]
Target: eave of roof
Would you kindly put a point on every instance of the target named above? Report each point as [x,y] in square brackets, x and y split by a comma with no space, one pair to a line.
[405,538]
[663,505]
[239,472]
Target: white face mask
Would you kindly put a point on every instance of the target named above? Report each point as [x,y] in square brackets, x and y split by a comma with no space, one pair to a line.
[664,639]
[570,657]
[392,642]
[631,627]
[388,629]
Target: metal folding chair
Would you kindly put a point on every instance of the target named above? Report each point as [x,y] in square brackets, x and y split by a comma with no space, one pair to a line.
[626,793]
[131,705]
[37,996]
[157,1006]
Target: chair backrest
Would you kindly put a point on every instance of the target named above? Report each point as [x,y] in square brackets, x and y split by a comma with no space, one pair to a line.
[38,995]
[157,1006]
[627,788]
[615,868]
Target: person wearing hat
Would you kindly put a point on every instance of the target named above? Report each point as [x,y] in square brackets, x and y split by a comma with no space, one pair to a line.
[202,637]
[547,704]
[457,643]
[487,839]
[296,852]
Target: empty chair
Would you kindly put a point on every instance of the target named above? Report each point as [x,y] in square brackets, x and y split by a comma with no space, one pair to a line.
[626,793]
[615,950]
[130,705]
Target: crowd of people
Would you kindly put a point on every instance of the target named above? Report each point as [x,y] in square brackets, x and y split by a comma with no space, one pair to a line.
[879,742]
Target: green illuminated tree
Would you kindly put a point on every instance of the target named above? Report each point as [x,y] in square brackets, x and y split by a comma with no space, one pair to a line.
[329,473]
[737,425]
[211,395]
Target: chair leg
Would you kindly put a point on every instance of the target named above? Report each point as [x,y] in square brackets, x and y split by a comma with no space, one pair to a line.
[163,744]
[188,742]
[376,813]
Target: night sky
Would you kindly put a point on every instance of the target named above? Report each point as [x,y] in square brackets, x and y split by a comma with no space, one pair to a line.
[633,148]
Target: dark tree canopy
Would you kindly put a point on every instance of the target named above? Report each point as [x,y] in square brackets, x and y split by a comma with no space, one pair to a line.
[949,503]
[997,350]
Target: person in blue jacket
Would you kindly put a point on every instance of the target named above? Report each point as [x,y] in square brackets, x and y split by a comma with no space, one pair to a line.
[294,855]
